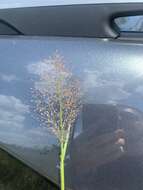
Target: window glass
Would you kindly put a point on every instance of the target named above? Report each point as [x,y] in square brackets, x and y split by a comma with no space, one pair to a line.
[130,23]
[16,176]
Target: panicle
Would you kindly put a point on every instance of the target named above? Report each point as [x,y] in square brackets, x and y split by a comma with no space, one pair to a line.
[57,90]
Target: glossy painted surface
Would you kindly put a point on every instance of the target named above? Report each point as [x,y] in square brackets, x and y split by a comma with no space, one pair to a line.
[15,175]
[111,75]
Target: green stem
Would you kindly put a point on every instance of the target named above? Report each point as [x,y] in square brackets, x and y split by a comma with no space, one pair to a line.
[62,160]
[62,156]
[62,169]
[66,142]
[63,140]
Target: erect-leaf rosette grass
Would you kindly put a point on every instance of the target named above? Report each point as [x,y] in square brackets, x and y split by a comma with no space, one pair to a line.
[58,102]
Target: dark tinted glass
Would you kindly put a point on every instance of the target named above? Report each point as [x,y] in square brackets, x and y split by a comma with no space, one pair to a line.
[16,176]
[130,23]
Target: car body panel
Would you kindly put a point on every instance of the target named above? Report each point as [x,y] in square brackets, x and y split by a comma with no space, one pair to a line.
[35,3]
[110,73]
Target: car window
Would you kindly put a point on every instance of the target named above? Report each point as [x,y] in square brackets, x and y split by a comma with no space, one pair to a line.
[15,176]
[130,23]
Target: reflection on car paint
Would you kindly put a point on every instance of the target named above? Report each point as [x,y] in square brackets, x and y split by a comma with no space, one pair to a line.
[112,98]
[105,153]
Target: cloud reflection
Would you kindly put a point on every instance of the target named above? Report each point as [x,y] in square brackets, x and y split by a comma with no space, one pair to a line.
[13,129]
[96,83]
[7,78]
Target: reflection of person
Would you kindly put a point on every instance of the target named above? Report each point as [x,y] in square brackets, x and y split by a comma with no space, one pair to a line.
[106,154]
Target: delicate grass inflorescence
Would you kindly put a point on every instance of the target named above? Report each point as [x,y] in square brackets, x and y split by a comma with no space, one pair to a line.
[57,99]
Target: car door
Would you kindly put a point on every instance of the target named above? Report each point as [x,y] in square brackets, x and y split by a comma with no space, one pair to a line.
[94,41]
